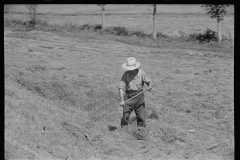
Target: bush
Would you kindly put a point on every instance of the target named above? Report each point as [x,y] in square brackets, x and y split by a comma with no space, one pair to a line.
[161,35]
[15,22]
[90,27]
[208,36]
[97,27]
[42,23]
[193,37]
[139,33]
[107,30]
[32,23]
[121,31]
[28,23]
[85,27]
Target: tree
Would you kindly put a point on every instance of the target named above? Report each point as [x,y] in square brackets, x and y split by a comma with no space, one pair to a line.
[103,14]
[154,23]
[32,8]
[217,11]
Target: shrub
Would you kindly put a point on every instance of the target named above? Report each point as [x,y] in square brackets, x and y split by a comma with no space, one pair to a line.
[121,31]
[193,37]
[32,23]
[110,30]
[161,35]
[208,36]
[85,27]
[42,23]
[15,22]
[139,33]
[90,27]
[97,27]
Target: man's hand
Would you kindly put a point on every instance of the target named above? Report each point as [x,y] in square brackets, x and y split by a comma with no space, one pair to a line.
[122,103]
[149,88]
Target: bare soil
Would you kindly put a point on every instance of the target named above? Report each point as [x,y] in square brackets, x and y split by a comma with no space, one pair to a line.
[61,100]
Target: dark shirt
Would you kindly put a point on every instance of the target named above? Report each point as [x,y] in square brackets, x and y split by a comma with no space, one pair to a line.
[134,80]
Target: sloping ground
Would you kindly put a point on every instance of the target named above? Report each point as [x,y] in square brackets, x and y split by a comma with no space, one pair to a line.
[61,100]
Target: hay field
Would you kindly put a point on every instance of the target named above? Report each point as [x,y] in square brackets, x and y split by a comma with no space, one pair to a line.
[172,20]
[56,82]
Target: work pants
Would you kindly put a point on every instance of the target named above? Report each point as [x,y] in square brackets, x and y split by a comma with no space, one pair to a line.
[138,105]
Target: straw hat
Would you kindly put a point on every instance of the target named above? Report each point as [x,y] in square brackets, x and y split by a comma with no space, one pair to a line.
[131,64]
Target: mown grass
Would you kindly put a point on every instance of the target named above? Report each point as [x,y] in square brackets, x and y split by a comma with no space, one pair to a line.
[198,41]
[63,85]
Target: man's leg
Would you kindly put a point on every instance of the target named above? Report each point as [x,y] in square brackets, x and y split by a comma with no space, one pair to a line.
[140,112]
[126,113]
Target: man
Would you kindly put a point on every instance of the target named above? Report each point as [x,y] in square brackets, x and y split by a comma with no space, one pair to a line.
[131,84]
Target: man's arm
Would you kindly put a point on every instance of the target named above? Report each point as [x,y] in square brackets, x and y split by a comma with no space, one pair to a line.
[121,94]
[147,80]
[122,88]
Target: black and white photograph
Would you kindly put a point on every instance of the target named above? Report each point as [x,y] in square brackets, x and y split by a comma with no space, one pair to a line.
[119,82]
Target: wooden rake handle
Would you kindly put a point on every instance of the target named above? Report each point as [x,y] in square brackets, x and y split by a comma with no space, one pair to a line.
[146,89]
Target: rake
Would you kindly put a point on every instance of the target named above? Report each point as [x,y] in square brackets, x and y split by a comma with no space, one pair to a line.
[72,129]
[146,89]
[97,118]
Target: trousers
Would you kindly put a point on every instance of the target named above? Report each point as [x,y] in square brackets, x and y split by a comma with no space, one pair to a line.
[138,105]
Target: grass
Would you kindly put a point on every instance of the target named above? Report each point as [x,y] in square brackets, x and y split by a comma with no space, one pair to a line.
[68,74]
[130,36]
[121,9]
[186,18]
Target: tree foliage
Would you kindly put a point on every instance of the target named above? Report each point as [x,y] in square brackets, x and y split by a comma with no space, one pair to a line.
[217,11]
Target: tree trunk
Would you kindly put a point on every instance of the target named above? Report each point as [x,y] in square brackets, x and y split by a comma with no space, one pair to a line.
[154,24]
[33,15]
[103,18]
[32,12]
[219,30]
